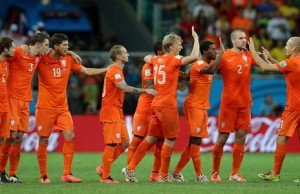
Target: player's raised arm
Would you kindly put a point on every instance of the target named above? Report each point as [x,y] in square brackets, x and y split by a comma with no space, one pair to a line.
[259,61]
[195,51]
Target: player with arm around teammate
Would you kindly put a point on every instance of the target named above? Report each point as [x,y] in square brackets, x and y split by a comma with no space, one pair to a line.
[115,133]
[52,108]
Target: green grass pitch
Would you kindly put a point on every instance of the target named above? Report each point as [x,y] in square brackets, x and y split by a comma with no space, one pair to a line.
[85,163]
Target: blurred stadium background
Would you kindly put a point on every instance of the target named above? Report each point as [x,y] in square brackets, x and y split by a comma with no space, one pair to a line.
[93,26]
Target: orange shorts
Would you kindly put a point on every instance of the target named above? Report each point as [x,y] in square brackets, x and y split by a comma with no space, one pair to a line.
[4,125]
[52,119]
[231,119]
[141,124]
[19,115]
[115,133]
[164,122]
[197,121]
[290,121]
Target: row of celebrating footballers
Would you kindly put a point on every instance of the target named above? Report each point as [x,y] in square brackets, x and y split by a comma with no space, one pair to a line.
[156,118]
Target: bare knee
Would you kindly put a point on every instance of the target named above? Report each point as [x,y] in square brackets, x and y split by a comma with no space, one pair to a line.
[44,140]
[282,139]
[240,136]
[125,144]
[222,139]
[69,135]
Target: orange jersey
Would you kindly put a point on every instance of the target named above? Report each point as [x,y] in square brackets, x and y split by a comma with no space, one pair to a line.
[112,96]
[166,71]
[3,86]
[145,100]
[200,85]
[291,69]
[21,68]
[53,80]
[236,74]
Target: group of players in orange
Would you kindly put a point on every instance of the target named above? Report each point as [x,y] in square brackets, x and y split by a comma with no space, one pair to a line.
[156,121]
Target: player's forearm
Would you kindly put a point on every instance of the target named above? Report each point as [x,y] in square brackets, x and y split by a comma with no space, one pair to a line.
[133,90]
[213,68]
[94,71]
[263,64]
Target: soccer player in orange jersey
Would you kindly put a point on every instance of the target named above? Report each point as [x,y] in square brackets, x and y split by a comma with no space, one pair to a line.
[52,109]
[165,117]
[111,114]
[290,118]
[21,69]
[7,49]
[195,108]
[142,117]
[234,114]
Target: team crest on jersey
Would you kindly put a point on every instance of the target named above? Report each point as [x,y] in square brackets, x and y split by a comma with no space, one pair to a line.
[200,62]
[117,76]
[245,58]
[12,122]
[160,60]
[198,129]
[118,135]
[282,64]
[37,59]
[63,63]
[178,56]
[223,124]
[138,128]
[147,72]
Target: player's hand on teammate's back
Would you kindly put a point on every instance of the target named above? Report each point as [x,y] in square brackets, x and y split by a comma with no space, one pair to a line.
[151,91]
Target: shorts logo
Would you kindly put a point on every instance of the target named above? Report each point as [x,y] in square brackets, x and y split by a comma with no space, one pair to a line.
[138,128]
[118,135]
[40,127]
[223,124]
[282,64]
[12,122]
[198,129]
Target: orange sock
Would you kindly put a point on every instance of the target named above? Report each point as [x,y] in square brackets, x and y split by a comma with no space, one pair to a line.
[133,147]
[184,159]
[4,156]
[107,160]
[68,152]
[196,157]
[217,156]
[157,156]
[166,153]
[42,159]
[14,158]
[139,154]
[279,156]
[238,155]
